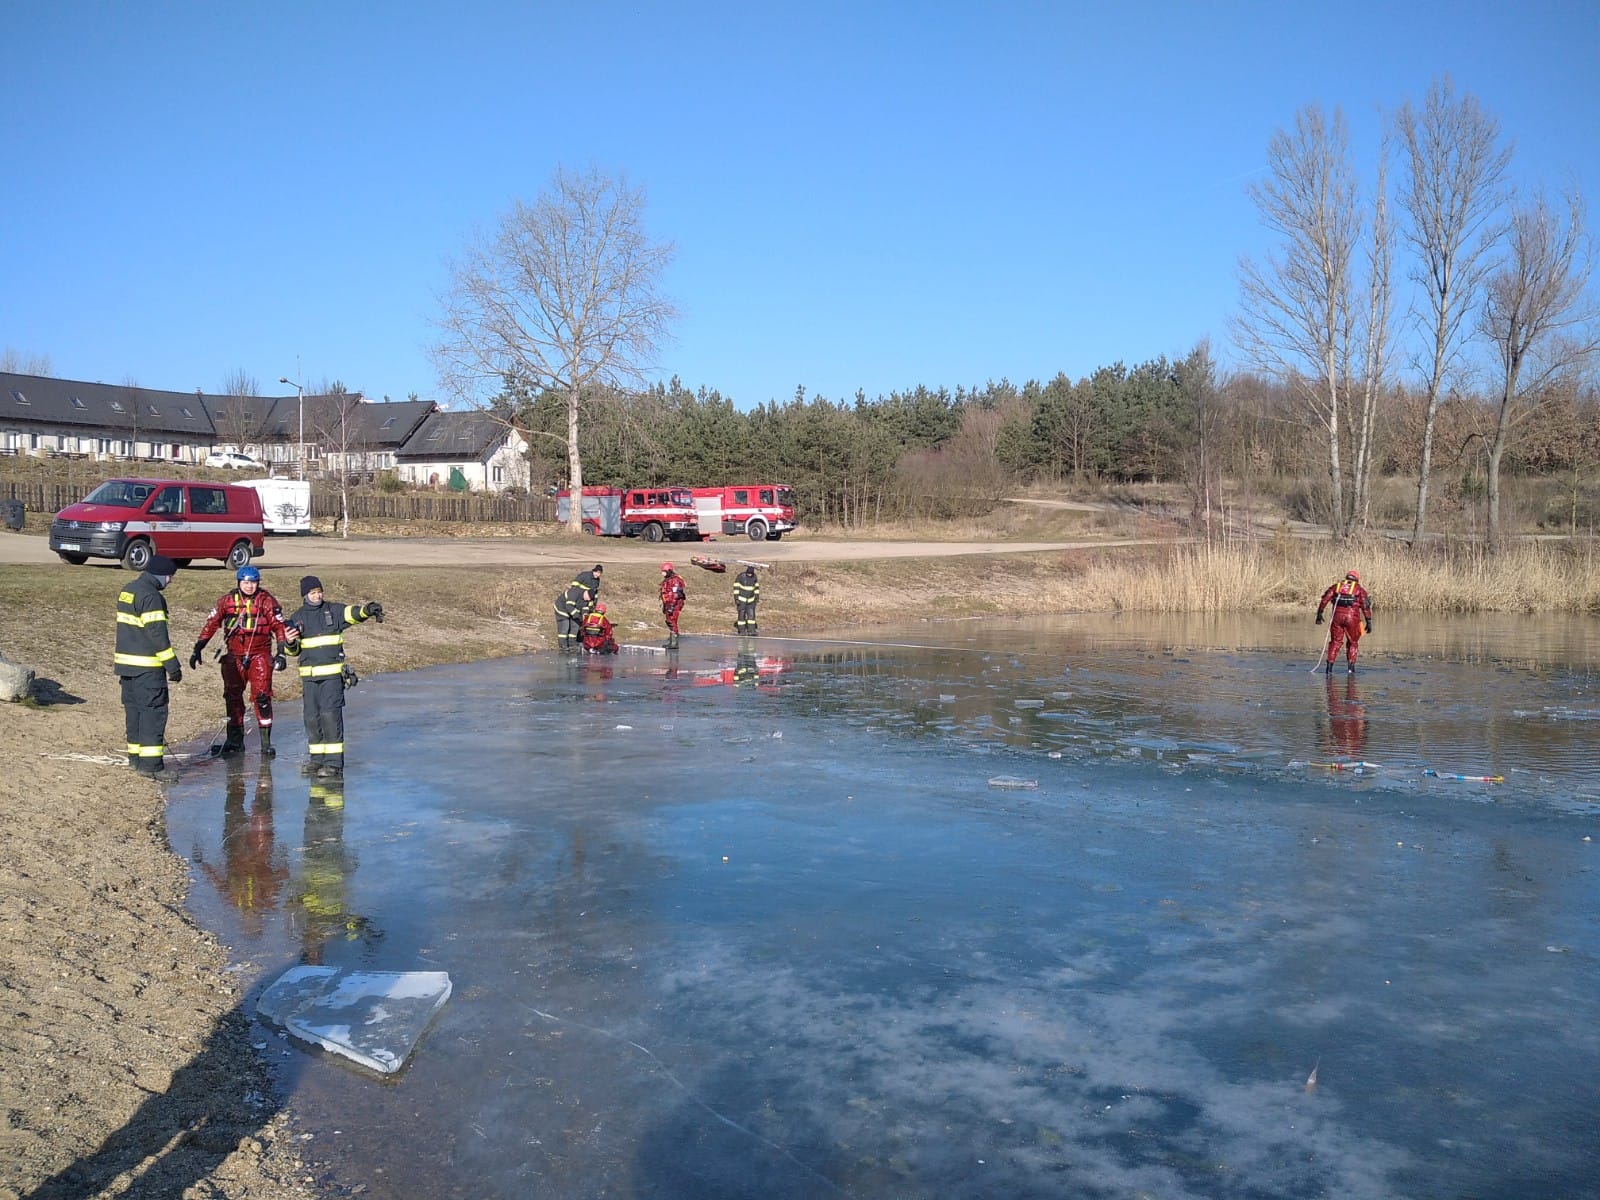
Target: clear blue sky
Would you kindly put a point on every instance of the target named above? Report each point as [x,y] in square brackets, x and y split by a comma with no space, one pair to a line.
[862,195]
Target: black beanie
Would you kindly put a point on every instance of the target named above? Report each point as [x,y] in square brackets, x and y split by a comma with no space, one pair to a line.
[160,564]
[309,584]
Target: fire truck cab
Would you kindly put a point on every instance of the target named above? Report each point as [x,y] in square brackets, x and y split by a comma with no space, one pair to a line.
[655,514]
[760,511]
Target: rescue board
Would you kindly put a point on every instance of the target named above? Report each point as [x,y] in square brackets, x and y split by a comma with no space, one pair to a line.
[708,563]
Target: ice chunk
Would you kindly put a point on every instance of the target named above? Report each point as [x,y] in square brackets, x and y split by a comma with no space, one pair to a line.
[374,1018]
[1010,783]
[1028,703]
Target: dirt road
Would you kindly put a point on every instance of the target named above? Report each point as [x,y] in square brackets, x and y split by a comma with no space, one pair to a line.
[328,553]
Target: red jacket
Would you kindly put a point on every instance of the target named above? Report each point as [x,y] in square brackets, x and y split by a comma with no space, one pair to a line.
[1347,593]
[673,592]
[248,623]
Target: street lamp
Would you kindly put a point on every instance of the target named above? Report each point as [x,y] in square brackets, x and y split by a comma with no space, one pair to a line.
[300,449]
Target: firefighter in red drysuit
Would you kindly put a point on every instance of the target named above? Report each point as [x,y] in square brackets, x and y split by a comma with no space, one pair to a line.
[673,594]
[598,636]
[1352,609]
[253,636]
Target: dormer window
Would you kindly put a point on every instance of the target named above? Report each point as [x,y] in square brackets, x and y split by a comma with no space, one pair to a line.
[77,402]
[116,406]
[18,397]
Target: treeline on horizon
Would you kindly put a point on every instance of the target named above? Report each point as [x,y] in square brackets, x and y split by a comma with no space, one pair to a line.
[934,453]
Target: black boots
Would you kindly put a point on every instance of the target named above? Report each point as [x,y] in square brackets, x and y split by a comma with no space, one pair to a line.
[266,743]
[234,744]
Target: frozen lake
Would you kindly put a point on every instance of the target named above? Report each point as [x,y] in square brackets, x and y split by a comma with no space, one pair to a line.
[798,923]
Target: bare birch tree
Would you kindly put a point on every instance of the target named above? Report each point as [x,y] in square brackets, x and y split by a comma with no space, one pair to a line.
[239,425]
[1452,198]
[563,294]
[1297,317]
[1537,316]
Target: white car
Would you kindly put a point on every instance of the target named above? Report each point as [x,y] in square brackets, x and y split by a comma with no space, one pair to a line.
[228,459]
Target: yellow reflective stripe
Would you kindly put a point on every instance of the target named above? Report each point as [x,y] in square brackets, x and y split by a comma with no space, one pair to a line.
[317,672]
[141,620]
[124,597]
[332,639]
[137,660]
[168,653]
[148,751]
[327,748]
[353,614]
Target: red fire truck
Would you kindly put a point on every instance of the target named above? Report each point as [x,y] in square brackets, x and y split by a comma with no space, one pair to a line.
[655,514]
[760,511]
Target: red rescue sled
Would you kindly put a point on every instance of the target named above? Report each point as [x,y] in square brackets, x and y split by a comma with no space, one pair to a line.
[708,563]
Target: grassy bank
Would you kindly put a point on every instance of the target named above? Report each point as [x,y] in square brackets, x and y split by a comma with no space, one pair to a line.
[53,614]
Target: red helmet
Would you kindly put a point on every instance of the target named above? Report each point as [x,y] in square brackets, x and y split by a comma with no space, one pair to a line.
[600,608]
[1356,575]
[666,567]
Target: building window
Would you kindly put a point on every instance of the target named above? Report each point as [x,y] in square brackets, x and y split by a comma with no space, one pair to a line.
[18,397]
[152,410]
[389,424]
[77,402]
[116,406]
[499,474]
[186,413]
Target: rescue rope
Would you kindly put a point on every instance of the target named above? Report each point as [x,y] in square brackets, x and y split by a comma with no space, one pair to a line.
[103,760]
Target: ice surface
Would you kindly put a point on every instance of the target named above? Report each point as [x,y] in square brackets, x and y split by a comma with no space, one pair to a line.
[374,1018]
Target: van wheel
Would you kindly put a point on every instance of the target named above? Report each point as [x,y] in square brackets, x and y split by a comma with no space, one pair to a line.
[653,532]
[756,531]
[137,555]
[76,560]
[239,556]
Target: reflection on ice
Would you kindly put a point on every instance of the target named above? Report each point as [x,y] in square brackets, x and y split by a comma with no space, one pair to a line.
[721,927]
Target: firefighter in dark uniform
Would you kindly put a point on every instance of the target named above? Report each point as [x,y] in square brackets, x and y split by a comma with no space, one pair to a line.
[324,672]
[1352,612]
[575,603]
[746,592]
[146,662]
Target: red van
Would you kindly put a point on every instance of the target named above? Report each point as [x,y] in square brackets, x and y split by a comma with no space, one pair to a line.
[133,519]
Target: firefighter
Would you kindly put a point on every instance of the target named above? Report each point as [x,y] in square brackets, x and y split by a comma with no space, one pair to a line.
[598,635]
[253,637]
[574,603]
[746,592]
[673,594]
[1352,609]
[324,672]
[146,663]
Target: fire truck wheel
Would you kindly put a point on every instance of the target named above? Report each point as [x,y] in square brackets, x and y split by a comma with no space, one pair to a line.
[591,528]
[775,537]
[653,532]
[756,531]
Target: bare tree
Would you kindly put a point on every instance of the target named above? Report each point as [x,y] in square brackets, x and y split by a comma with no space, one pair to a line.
[564,295]
[336,424]
[1297,317]
[1374,338]
[1204,416]
[15,362]
[239,425]
[1535,312]
[1452,198]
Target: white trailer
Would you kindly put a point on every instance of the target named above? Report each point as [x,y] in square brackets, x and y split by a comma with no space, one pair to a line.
[285,504]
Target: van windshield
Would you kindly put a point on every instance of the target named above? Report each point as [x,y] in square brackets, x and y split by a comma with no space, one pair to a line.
[120,493]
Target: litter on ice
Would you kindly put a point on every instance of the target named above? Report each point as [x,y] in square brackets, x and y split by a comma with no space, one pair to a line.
[374,1018]
[1010,783]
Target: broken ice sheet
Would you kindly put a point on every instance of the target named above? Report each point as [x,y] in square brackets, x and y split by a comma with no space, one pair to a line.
[374,1018]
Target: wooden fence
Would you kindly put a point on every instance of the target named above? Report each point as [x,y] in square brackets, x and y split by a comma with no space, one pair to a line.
[460,508]
[465,508]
